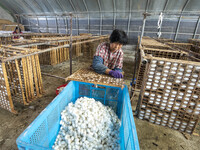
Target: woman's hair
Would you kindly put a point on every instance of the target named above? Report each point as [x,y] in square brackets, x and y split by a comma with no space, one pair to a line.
[18,28]
[118,36]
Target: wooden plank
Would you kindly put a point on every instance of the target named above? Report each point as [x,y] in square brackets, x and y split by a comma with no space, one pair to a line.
[57,59]
[8,89]
[53,57]
[76,49]
[35,75]
[30,75]
[25,75]
[61,53]
[15,48]
[20,82]
[39,76]
[9,75]
[16,79]
[65,52]
[50,59]
[13,77]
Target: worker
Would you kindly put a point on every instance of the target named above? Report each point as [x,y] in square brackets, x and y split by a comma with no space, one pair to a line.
[108,58]
[17,31]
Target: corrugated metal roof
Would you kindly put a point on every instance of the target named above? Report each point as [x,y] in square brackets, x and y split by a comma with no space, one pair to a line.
[60,6]
[180,21]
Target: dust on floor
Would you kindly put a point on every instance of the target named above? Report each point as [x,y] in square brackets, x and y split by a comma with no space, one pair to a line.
[151,137]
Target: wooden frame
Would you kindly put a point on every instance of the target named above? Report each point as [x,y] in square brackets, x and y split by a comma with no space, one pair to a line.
[170,87]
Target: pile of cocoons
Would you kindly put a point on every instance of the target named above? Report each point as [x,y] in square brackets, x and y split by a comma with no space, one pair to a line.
[88,125]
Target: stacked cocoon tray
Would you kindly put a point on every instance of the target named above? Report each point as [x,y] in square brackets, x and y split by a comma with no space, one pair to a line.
[88,124]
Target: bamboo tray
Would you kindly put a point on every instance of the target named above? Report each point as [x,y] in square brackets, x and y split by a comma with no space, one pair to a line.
[89,76]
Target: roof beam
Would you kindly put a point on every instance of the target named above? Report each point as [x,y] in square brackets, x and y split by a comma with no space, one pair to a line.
[147,5]
[88,15]
[86,8]
[114,16]
[50,6]
[100,23]
[195,13]
[99,5]
[57,28]
[28,6]
[30,24]
[129,17]
[70,1]
[38,25]
[179,21]
[58,2]
[144,21]
[4,4]
[164,8]
[15,7]
[166,3]
[47,26]
[38,6]
[196,28]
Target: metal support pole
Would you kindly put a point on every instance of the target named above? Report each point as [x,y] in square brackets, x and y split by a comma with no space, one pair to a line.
[70,49]
[65,24]
[20,19]
[114,24]
[114,15]
[47,24]
[196,28]
[177,29]
[136,52]
[57,30]
[129,21]
[38,25]
[100,28]
[129,17]
[88,23]
[88,15]
[159,30]
[143,26]
[179,21]
[71,3]
[30,24]
[166,3]
[100,23]
[77,24]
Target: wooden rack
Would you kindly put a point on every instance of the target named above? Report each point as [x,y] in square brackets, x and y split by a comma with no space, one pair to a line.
[20,74]
[169,83]
[21,80]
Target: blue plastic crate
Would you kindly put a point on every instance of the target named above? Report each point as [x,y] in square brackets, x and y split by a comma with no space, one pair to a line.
[42,132]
